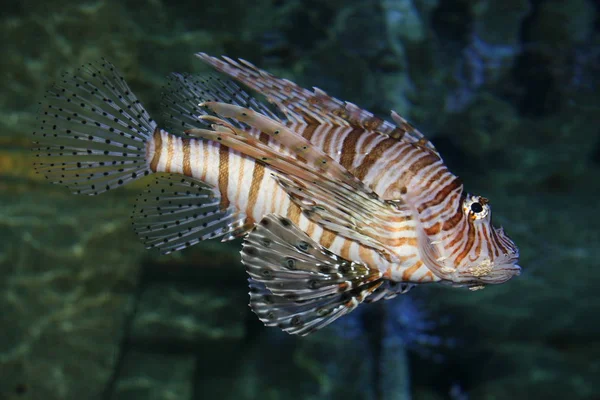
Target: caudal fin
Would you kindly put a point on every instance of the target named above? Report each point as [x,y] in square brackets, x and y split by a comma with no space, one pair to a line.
[94,132]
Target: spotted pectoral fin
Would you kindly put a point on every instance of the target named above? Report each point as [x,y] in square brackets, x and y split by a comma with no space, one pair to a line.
[175,212]
[297,284]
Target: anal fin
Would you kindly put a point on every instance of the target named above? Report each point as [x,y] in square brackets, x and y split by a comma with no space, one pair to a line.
[175,212]
[297,284]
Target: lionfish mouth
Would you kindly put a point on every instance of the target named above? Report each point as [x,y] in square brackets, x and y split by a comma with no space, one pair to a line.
[501,273]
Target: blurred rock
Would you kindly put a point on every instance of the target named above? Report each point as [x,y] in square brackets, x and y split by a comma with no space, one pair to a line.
[68,271]
[146,376]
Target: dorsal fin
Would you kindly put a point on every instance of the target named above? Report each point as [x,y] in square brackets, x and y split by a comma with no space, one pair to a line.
[184,92]
[297,102]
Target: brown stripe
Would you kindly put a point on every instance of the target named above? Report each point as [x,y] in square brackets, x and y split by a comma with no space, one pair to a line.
[367,142]
[427,277]
[329,136]
[349,149]
[293,213]
[407,274]
[264,138]
[309,130]
[454,220]
[468,245]
[399,161]
[187,164]
[401,241]
[488,241]
[414,167]
[430,178]
[157,137]
[257,177]
[432,230]
[345,250]
[170,153]
[475,253]
[451,200]
[327,238]
[310,229]
[457,236]
[363,169]
[497,242]
[441,194]
[223,175]
[366,255]
[422,163]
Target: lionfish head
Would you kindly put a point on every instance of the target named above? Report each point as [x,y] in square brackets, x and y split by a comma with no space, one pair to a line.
[473,252]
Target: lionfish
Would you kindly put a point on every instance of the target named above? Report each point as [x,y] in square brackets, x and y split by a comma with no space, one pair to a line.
[336,206]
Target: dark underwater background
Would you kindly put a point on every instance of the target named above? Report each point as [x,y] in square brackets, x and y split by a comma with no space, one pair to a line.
[508,91]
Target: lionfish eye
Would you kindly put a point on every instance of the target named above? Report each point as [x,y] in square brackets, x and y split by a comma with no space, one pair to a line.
[476,207]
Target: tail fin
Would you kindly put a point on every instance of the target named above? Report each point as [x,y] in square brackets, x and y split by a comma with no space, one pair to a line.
[94,132]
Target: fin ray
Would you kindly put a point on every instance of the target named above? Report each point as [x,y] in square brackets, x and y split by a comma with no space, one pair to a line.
[93,131]
[297,102]
[184,92]
[297,284]
[177,212]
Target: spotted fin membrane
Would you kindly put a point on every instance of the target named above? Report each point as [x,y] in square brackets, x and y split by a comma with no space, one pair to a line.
[297,284]
[93,131]
[175,212]
[184,92]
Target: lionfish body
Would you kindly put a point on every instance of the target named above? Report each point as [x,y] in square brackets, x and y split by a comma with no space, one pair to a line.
[337,206]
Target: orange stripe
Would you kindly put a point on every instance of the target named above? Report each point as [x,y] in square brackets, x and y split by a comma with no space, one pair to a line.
[366,255]
[345,250]
[223,175]
[311,228]
[402,241]
[427,277]
[407,274]
[257,177]
[293,213]
[327,238]
[187,164]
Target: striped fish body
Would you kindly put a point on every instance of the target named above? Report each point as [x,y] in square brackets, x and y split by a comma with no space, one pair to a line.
[337,206]
[249,186]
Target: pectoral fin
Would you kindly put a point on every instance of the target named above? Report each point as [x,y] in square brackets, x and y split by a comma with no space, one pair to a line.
[297,284]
